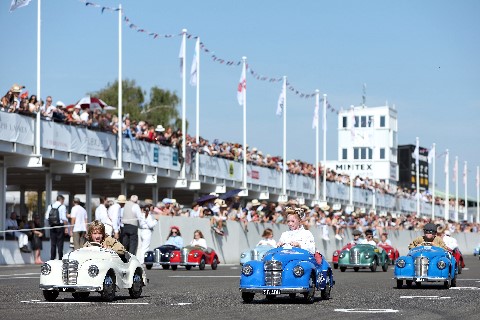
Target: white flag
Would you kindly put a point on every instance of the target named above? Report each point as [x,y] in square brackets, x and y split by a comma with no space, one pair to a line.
[465,174]
[315,116]
[18,3]
[193,69]
[281,102]
[242,87]
[431,155]
[455,170]
[416,154]
[182,57]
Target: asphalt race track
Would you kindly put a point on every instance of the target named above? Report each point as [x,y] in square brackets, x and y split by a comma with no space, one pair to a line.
[212,294]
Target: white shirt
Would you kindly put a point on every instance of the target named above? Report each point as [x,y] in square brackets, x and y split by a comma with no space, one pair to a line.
[147,223]
[387,242]
[199,242]
[101,215]
[80,215]
[267,242]
[450,242]
[62,211]
[114,214]
[302,236]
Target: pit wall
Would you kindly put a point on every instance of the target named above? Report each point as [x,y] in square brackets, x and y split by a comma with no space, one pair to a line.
[236,240]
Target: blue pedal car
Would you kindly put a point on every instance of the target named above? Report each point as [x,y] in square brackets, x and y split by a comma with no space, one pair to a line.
[426,263]
[286,271]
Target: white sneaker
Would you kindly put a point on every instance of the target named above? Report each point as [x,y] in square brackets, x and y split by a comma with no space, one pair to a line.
[326,238]
[338,237]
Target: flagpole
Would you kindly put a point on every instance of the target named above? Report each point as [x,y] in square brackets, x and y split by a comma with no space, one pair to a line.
[197,140]
[120,91]
[284,180]
[37,118]
[184,103]
[433,182]
[325,145]
[244,93]
[478,194]
[456,188]
[447,187]
[317,178]
[465,207]
[417,175]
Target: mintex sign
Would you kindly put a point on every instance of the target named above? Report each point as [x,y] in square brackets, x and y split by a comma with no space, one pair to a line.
[363,169]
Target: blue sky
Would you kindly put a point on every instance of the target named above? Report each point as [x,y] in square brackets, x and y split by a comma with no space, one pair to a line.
[421,56]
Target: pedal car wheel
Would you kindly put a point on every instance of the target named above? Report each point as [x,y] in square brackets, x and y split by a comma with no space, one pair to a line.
[453,283]
[385,266]
[356,269]
[373,267]
[409,283]
[418,283]
[335,266]
[247,297]
[201,266]
[399,284]
[447,284]
[270,296]
[459,268]
[174,268]
[292,295]
[342,269]
[214,264]
[108,292]
[166,266]
[148,266]
[325,293]
[310,295]
[136,290]
[50,295]
[188,267]
[80,295]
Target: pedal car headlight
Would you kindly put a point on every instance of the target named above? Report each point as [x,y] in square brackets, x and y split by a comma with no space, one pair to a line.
[335,254]
[367,255]
[93,271]
[247,270]
[195,255]
[45,269]
[298,271]
[401,263]
[342,254]
[441,264]
[243,255]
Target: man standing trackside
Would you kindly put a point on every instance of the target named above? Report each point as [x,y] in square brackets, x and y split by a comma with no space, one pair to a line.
[114,213]
[79,222]
[57,220]
[132,214]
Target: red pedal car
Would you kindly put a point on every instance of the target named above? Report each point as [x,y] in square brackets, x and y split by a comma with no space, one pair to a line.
[459,258]
[392,253]
[336,253]
[194,256]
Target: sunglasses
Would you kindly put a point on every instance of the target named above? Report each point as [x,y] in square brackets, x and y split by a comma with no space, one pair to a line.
[429,231]
[174,232]
[369,236]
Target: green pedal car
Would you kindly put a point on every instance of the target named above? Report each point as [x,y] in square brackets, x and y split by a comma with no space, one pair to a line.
[363,256]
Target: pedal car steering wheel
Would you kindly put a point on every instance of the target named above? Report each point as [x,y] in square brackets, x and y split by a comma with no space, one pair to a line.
[95,244]
[426,243]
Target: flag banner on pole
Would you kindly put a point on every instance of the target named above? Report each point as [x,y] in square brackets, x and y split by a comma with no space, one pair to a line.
[416,154]
[242,87]
[281,102]
[315,116]
[182,58]
[465,173]
[455,170]
[431,155]
[325,118]
[193,69]
[18,4]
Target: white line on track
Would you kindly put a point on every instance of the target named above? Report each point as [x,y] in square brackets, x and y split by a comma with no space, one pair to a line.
[180,304]
[465,288]
[81,302]
[20,274]
[367,310]
[204,276]
[425,297]
[11,278]
[468,279]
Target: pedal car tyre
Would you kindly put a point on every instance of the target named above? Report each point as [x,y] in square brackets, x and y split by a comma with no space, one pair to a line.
[108,292]
[453,283]
[50,295]
[214,263]
[136,290]
[166,266]
[373,267]
[447,284]
[80,295]
[247,297]
[356,269]
[459,268]
[188,267]
[409,283]
[325,293]
[399,284]
[174,268]
[201,265]
[342,269]
[310,295]
[418,283]
[335,266]
[385,266]
[149,266]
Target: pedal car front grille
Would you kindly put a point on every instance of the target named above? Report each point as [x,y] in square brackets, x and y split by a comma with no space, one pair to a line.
[421,266]
[184,255]
[157,255]
[254,255]
[70,272]
[273,273]
[354,257]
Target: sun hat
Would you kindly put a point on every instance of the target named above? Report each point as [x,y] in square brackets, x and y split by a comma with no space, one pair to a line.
[121,199]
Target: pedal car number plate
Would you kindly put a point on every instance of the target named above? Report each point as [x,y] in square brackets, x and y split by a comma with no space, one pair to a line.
[272,291]
[419,280]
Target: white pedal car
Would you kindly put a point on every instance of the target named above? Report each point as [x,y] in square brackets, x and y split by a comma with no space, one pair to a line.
[92,269]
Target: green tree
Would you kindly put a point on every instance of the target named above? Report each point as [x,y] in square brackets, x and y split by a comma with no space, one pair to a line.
[162,108]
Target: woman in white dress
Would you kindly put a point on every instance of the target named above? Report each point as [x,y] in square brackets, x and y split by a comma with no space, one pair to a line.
[297,236]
